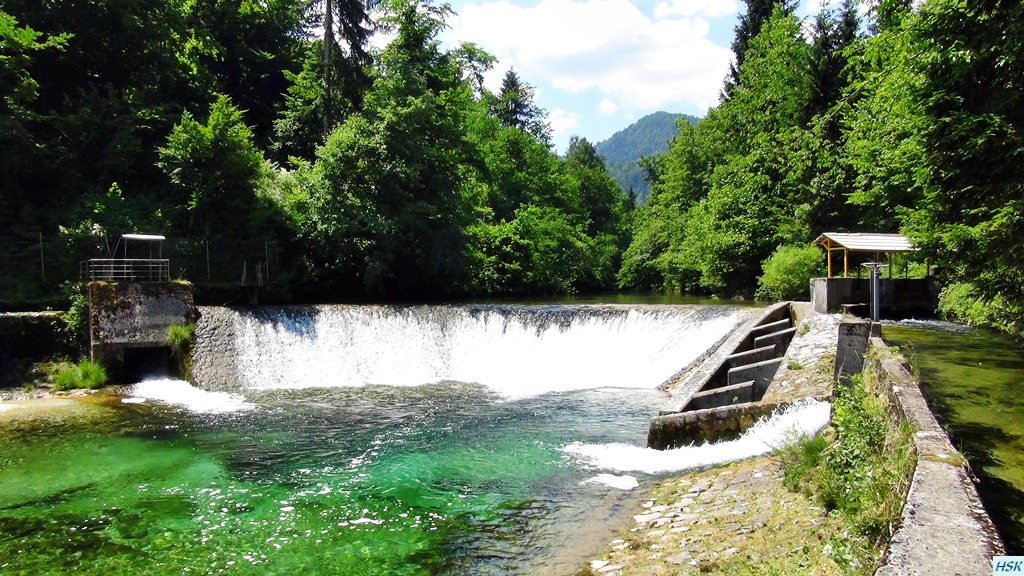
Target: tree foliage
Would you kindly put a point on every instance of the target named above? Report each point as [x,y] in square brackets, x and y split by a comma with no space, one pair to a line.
[158,115]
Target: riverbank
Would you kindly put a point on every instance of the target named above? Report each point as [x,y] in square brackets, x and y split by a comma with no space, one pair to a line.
[742,518]
[727,520]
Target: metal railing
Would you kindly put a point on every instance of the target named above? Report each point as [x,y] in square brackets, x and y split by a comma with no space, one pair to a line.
[126,270]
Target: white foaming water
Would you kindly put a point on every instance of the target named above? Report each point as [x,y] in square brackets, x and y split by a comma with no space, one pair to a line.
[516,351]
[624,482]
[804,417]
[181,393]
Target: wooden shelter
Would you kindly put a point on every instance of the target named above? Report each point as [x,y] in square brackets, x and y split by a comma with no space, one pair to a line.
[876,244]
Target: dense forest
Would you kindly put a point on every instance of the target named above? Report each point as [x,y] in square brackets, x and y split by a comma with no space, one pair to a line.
[909,121]
[625,150]
[271,134]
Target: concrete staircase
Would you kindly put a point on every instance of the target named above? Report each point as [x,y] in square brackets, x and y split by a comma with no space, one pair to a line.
[729,399]
[745,375]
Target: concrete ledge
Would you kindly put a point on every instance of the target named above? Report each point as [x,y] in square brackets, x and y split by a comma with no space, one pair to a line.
[943,527]
[683,428]
[716,397]
[760,372]
[780,339]
[751,356]
[771,327]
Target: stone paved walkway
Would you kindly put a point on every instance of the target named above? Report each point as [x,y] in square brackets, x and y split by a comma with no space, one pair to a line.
[724,520]
[806,370]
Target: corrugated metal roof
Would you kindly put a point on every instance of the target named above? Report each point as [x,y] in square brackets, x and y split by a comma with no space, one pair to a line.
[859,242]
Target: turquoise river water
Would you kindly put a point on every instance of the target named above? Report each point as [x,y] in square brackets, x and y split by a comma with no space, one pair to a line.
[432,476]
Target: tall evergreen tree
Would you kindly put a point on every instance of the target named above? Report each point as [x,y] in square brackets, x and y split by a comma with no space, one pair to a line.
[515,108]
[829,61]
[758,11]
[347,29]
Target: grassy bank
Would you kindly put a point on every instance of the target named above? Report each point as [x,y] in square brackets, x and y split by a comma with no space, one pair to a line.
[819,505]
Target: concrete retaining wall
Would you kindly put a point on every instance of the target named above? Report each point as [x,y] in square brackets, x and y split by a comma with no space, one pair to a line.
[128,319]
[944,528]
[682,428]
[899,296]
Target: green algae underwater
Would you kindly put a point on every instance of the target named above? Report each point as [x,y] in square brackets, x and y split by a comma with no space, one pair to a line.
[974,381]
[438,479]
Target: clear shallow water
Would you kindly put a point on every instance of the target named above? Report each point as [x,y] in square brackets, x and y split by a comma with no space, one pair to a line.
[440,478]
[973,380]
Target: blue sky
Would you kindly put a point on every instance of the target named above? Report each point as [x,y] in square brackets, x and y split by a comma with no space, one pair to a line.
[600,65]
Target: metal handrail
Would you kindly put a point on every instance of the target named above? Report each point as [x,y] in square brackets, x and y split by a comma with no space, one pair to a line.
[126,269]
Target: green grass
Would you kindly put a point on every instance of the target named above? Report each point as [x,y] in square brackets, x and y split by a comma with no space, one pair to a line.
[858,470]
[179,338]
[85,374]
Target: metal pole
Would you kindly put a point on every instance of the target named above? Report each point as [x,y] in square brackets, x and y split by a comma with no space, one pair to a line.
[42,260]
[874,293]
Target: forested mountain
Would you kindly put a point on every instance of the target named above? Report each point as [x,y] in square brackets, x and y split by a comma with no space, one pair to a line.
[624,149]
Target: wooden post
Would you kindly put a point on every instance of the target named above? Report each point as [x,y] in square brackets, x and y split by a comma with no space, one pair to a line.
[846,263]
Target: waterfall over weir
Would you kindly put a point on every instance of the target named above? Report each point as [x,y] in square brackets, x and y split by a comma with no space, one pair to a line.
[517,351]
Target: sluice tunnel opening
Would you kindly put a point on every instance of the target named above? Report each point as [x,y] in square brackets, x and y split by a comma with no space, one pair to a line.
[148,362]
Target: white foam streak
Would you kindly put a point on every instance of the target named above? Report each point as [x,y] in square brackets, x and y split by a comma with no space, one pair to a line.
[181,393]
[514,354]
[806,417]
[624,482]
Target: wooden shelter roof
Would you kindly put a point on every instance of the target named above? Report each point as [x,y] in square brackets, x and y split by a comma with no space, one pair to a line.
[861,242]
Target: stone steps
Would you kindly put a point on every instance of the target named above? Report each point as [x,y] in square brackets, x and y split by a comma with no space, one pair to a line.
[733,389]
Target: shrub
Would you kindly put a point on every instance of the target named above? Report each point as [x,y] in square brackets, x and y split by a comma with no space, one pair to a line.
[85,374]
[179,338]
[859,470]
[787,273]
[74,331]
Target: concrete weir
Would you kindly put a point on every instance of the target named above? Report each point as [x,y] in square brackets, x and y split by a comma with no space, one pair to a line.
[727,395]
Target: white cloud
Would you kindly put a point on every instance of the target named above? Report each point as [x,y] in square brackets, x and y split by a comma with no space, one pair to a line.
[708,8]
[561,121]
[607,107]
[605,45]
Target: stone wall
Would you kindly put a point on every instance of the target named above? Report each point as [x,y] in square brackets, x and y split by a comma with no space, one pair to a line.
[29,335]
[213,350]
[133,316]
